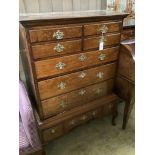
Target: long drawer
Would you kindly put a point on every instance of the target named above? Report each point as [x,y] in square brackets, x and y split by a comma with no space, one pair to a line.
[64,64]
[66,83]
[54,49]
[93,42]
[54,33]
[75,98]
[97,28]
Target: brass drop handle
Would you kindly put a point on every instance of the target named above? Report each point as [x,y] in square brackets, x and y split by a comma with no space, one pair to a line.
[103,29]
[61,85]
[99,91]
[102,39]
[82,75]
[102,57]
[63,104]
[84,117]
[52,131]
[58,35]
[94,113]
[82,92]
[110,106]
[82,57]
[59,48]
[100,75]
[60,65]
[72,122]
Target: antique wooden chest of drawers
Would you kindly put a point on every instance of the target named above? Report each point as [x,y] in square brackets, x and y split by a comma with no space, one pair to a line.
[70,61]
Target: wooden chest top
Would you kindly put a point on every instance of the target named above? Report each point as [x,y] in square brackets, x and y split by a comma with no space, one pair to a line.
[33,19]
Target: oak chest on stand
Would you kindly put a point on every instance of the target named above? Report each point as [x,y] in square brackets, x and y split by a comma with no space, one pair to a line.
[70,60]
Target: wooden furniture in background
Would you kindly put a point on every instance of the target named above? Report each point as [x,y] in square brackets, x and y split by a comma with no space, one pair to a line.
[69,77]
[125,80]
[128,29]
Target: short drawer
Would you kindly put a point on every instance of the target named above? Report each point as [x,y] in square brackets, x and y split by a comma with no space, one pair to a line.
[52,133]
[50,67]
[54,49]
[54,33]
[75,98]
[66,83]
[109,40]
[128,34]
[96,113]
[76,121]
[71,123]
[99,28]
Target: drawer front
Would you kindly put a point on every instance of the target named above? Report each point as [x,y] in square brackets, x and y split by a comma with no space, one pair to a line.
[96,113]
[75,98]
[55,33]
[77,121]
[99,28]
[64,64]
[52,133]
[54,49]
[93,42]
[66,83]
[128,34]
[71,123]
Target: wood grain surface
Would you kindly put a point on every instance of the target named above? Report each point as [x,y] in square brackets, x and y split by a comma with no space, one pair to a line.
[46,68]
[93,42]
[70,100]
[46,34]
[47,50]
[49,88]
[94,29]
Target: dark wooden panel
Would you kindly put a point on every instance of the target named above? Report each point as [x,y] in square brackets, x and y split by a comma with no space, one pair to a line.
[48,50]
[76,121]
[46,34]
[126,65]
[66,83]
[128,34]
[67,101]
[94,29]
[93,42]
[50,67]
